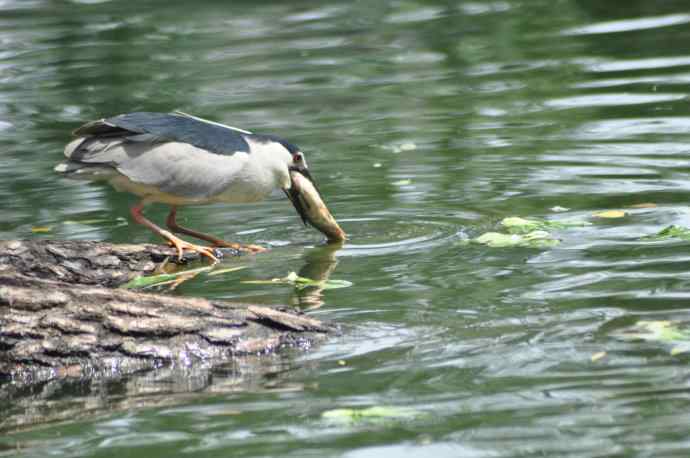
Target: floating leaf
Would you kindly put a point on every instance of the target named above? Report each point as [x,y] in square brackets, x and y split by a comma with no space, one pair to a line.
[517,225]
[41,229]
[534,239]
[498,240]
[87,221]
[685,348]
[333,284]
[662,331]
[376,414]
[402,182]
[666,332]
[597,356]
[225,271]
[301,282]
[157,280]
[526,232]
[670,232]
[611,214]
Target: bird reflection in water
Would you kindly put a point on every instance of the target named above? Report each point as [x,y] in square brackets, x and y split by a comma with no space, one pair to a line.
[320,263]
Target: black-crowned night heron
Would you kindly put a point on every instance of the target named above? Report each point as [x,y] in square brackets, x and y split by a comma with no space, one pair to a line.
[179,159]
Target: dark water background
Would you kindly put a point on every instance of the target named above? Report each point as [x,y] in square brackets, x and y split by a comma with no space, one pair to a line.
[425,122]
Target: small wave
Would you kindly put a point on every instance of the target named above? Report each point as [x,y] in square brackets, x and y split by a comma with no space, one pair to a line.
[395,234]
[628,25]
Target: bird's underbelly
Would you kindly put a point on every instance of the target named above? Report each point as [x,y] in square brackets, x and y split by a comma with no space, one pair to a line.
[235,192]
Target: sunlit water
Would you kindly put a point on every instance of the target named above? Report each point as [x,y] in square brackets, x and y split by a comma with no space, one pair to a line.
[425,124]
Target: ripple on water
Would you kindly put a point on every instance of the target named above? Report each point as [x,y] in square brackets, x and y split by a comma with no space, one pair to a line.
[620,65]
[628,25]
[596,100]
[618,129]
[377,236]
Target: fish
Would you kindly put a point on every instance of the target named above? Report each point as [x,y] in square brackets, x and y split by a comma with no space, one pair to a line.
[309,204]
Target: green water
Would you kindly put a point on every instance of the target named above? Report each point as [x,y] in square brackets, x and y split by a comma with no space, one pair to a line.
[425,123]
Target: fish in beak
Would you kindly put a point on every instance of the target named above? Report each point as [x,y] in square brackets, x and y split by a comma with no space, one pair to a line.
[294,192]
[307,200]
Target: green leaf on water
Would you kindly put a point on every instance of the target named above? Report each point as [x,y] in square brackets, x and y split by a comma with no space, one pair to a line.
[301,282]
[534,239]
[225,271]
[517,225]
[667,332]
[41,229]
[683,348]
[670,232]
[597,356]
[86,221]
[153,280]
[660,331]
[376,414]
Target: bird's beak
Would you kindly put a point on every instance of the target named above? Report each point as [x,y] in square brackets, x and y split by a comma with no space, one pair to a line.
[293,194]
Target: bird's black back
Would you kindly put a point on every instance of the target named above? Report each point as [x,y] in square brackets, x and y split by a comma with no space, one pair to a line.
[214,138]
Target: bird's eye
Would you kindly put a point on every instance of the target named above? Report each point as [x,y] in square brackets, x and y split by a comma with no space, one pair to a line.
[299,161]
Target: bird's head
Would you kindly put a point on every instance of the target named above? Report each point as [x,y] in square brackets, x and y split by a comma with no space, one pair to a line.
[306,197]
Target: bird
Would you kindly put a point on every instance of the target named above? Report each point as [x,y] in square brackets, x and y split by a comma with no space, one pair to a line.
[179,159]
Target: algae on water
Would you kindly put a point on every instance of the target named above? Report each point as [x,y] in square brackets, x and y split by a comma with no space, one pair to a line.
[670,232]
[534,239]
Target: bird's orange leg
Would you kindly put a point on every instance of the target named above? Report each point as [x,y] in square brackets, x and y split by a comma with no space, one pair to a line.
[173,226]
[177,242]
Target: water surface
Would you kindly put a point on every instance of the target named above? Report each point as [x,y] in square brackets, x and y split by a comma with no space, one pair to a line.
[425,123]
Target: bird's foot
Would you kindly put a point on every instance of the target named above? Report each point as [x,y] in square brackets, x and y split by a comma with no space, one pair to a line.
[182,245]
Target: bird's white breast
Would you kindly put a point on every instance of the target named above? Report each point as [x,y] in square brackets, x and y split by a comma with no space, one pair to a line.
[263,170]
[182,174]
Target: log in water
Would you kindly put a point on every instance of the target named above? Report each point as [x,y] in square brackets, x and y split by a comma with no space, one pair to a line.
[61,315]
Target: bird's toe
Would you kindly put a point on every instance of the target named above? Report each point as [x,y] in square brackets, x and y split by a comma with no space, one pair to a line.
[182,245]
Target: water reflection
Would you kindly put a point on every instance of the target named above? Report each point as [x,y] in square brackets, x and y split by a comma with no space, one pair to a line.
[319,264]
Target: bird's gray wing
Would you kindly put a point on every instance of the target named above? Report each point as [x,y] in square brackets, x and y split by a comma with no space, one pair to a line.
[159,149]
[172,167]
[208,135]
